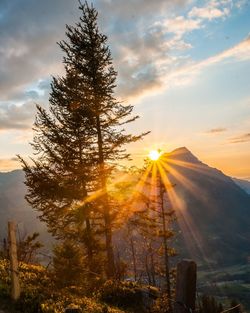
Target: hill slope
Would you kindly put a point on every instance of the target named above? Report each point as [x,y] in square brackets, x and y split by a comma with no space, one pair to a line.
[213,211]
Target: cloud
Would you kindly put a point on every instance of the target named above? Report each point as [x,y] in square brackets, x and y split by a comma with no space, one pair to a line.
[153,69]
[240,139]
[28,50]
[14,116]
[197,17]
[216,130]
[138,10]
[185,73]
[141,43]
[156,58]
[29,53]
[240,52]
[149,49]
[138,63]
[181,25]
[19,114]
[213,10]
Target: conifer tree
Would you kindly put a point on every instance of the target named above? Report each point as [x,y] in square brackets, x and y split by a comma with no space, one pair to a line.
[78,139]
[67,264]
[28,247]
[154,226]
[149,227]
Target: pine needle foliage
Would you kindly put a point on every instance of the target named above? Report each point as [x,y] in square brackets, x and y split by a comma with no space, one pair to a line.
[79,141]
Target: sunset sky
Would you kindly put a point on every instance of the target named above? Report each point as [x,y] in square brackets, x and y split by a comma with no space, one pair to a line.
[183,64]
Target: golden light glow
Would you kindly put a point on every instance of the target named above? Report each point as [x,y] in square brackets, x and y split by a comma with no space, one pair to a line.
[154,155]
[166,169]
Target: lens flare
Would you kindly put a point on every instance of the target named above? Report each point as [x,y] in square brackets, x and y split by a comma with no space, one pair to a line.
[154,155]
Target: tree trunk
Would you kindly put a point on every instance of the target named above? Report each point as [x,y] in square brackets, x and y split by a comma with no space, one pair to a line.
[134,258]
[152,265]
[165,246]
[147,270]
[89,247]
[106,208]
[88,242]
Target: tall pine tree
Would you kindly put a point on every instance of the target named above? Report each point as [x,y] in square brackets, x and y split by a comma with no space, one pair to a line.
[77,141]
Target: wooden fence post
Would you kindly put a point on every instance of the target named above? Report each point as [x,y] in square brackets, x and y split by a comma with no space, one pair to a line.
[15,286]
[185,287]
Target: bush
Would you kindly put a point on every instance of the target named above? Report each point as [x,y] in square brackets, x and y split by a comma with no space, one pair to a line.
[161,305]
[40,294]
[128,295]
[122,294]
[29,302]
[87,305]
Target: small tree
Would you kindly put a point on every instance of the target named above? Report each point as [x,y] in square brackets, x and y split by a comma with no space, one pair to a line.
[67,263]
[166,216]
[148,227]
[28,248]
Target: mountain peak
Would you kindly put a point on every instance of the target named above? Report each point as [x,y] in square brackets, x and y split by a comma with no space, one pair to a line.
[181,150]
[183,154]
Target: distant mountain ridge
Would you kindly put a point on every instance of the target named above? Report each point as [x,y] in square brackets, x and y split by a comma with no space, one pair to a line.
[13,206]
[213,211]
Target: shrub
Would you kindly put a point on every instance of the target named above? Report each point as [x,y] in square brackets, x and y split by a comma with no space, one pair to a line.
[40,294]
[128,295]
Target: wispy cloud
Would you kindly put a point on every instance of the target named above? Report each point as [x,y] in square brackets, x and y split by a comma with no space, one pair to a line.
[240,52]
[216,130]
[186,72]
[241,138]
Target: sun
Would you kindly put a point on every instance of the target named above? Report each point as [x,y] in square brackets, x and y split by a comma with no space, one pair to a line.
[154,155]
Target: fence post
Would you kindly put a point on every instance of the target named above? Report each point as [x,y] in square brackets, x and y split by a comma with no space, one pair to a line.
[185,287]
[15,286]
